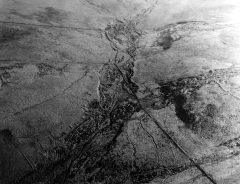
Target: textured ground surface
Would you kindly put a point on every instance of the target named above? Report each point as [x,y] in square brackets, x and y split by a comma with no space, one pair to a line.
[120,91]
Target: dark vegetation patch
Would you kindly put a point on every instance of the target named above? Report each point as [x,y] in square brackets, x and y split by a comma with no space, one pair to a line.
[199,117]
[211,111]
[182,113]
[8,34]
[7,136]
[173,32]
[182,86]
[45,69]
[48,69]
[182,93]
[4,78]
[5,73]
[165,40]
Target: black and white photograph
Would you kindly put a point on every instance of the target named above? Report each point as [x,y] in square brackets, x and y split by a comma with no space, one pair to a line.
[119,92]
